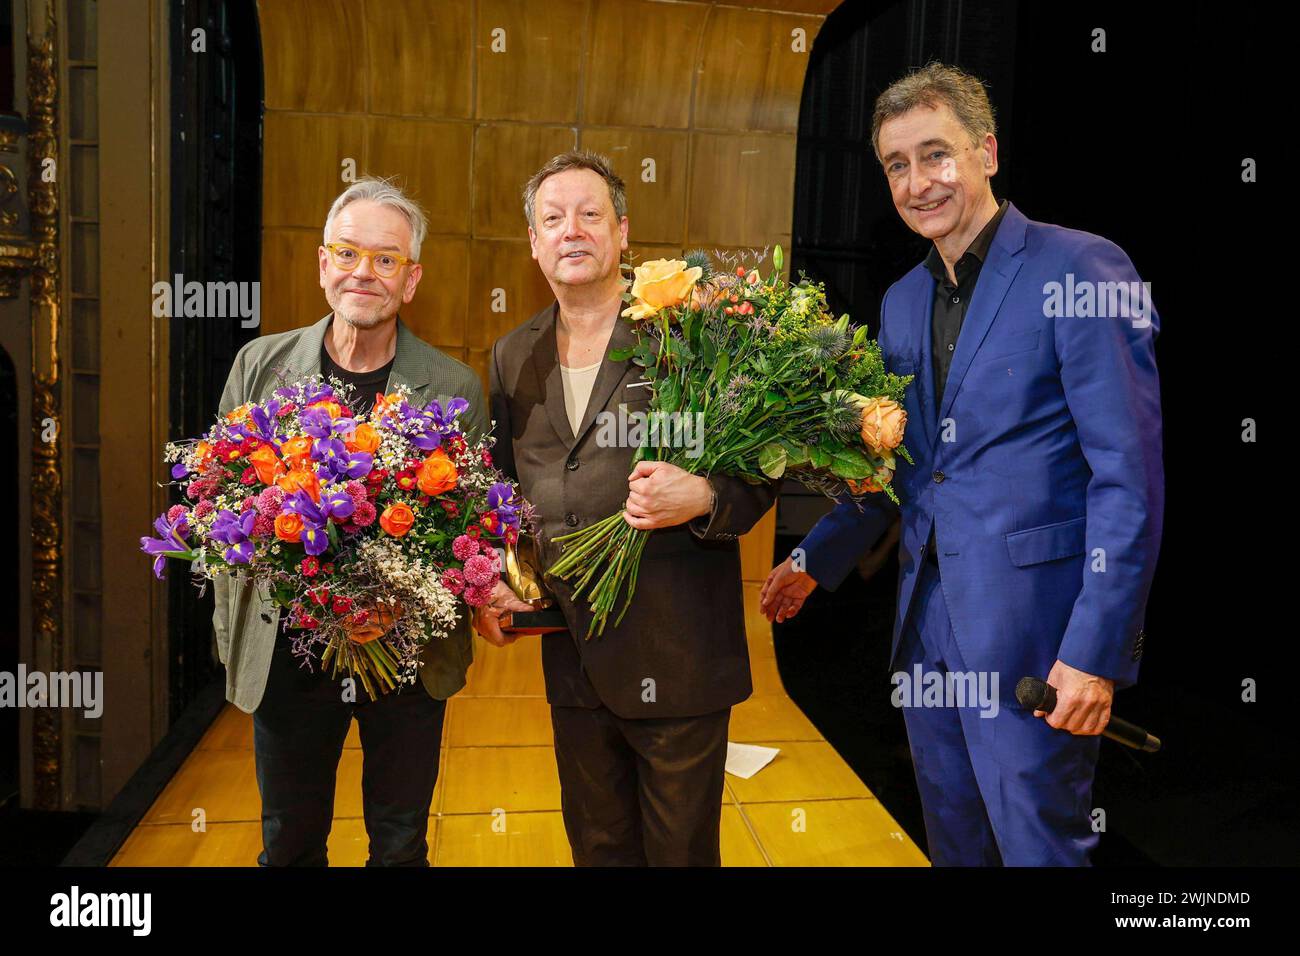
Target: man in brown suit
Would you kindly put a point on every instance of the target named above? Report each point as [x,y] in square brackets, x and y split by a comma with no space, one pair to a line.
[640,713]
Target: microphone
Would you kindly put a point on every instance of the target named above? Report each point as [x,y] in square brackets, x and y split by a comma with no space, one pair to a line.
[1035,694]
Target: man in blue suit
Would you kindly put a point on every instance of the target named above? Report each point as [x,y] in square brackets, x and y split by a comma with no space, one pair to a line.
[1031,519]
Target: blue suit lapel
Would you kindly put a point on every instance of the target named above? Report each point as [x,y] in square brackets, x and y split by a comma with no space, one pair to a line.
[995,279]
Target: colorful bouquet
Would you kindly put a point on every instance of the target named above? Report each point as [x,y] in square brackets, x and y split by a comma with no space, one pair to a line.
[370,530]
[773,384]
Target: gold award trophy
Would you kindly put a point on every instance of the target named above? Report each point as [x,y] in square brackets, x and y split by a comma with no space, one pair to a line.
[525,580]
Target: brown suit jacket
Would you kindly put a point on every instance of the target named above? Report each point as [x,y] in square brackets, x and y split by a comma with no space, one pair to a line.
[680,650]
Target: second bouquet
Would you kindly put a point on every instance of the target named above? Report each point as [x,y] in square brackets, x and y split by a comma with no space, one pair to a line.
[766,382]
[370,531]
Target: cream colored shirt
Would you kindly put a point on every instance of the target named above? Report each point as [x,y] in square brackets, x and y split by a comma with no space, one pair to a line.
[578,383]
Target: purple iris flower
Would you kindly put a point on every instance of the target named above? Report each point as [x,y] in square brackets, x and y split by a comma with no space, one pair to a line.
[169,543]
[426,440]
[501,499]
[180,470]
[315,537]
[444,418]
[316,392]
[316,422]
[314,540]
[355,465]
[264,419]
[338,504]
[430,431]
[300,503]
[337,462]
[235,531]
[325,448]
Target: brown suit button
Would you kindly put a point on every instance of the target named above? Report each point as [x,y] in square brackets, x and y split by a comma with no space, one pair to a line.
[571,519]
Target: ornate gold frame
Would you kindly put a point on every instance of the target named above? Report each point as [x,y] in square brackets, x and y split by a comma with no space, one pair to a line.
[47,470]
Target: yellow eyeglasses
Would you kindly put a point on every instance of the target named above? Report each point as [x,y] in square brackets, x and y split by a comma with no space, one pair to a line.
[348,257]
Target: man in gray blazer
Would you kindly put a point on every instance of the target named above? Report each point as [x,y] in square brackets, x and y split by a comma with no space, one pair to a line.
[640,713]
[368,268]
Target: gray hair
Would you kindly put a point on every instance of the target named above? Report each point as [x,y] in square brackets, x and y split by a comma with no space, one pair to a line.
[386,192]
[931,85]
[578,159]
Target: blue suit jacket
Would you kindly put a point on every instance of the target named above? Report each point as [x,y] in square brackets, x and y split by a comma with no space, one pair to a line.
[1041,474]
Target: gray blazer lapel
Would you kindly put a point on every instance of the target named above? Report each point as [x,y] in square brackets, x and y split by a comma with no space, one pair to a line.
[304,360]
[410,361]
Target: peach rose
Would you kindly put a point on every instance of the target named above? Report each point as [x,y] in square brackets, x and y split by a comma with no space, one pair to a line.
[436,474]
[303,479]
[296,451]
[365,438]
[397,519]
[288,527]
[266,465]
[883,421]
[661,284]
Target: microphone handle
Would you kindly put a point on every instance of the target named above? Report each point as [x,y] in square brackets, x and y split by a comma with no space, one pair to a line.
[1130,735]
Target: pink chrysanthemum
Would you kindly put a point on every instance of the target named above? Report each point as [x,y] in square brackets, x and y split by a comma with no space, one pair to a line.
[263,527]
[478,595]
[480,570]
[204,508]
[356,491]
[364,515]
[174,513]
[453,580]
[464,547]
[269,502]
[248,504]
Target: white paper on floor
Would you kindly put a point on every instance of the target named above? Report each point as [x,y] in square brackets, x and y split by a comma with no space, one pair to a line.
[745,760]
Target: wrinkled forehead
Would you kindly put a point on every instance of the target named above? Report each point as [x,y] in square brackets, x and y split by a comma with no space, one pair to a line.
[372,226]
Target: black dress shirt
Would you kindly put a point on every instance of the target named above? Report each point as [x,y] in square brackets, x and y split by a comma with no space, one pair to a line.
[949,312]
[950,300]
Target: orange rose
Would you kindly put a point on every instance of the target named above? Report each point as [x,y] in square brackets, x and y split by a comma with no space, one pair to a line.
[883,421]
[240,414]
[296,451]
[267,466]
[365,438]
[300,479]
[397,519]
[870,484]
[436,474]
[288,527]
[385,402]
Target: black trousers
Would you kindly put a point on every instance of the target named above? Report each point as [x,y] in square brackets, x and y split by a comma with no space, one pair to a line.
[645,792]
[298,734]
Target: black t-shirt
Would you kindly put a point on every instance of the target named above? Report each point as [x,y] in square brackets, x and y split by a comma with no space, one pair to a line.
[364,384]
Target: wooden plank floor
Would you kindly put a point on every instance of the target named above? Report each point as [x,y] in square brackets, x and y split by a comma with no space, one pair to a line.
[497,802]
